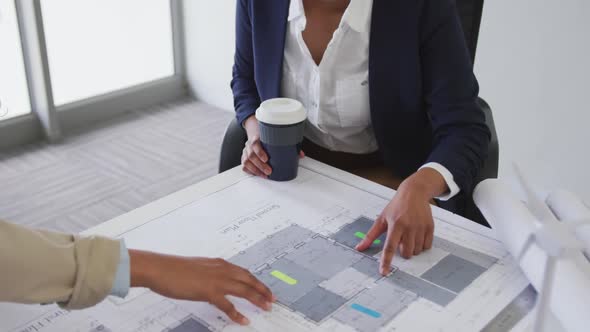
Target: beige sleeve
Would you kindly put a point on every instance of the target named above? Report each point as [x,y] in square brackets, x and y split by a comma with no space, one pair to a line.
[46,267]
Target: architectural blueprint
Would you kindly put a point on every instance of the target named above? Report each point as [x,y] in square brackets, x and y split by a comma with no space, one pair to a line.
[299,238]
[321,277]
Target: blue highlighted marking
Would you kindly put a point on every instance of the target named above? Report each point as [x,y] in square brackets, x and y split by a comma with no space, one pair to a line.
[365,310]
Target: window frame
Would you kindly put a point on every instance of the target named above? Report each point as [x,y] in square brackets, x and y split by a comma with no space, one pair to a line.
[51,122]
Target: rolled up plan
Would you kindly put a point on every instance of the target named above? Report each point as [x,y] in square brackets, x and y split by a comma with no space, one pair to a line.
[567,207]
[513,223]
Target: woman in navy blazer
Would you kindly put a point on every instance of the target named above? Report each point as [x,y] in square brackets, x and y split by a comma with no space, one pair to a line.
[422,94]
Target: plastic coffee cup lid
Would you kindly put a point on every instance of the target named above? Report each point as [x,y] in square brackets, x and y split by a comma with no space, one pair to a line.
[281,111]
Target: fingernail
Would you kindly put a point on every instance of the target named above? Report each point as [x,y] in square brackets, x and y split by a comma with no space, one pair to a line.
[268,306]
[244,321]
[274,298]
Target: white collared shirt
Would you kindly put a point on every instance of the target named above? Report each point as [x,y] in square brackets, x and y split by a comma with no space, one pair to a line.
[335,93]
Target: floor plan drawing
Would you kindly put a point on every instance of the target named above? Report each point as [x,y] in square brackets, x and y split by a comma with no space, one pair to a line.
[320,277]
[299,238]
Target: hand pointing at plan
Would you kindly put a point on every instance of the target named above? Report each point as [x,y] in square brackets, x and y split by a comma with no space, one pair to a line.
[199,279]
[407,219]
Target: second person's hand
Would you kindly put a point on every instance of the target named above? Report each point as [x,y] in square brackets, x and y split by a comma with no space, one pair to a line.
[254,158]
[199,279]
[407,219]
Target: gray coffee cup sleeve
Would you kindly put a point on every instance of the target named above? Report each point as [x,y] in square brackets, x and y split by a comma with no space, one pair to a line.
[287,135]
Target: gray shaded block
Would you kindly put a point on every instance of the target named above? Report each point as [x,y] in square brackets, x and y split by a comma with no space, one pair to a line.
[347,237]
[271,247]
[471,255]
[454,273]
[318,304]
[348,283]
[324,257]
[421,287]
[368,266]
[287,294]
[190,325]
[375,307]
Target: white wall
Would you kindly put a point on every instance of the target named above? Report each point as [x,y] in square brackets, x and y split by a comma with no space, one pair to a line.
[209,42]
[533,66]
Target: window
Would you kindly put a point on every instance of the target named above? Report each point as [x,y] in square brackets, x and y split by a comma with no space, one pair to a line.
[75,62]
[99,46]
[14,95]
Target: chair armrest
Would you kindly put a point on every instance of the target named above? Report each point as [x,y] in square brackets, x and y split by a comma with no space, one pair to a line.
[231,149]
[490,168]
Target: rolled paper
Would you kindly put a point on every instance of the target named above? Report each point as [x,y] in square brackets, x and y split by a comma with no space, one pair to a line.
[568,207]
[513,223]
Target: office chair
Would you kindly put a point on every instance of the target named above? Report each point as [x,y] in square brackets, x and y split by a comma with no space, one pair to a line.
[470,12]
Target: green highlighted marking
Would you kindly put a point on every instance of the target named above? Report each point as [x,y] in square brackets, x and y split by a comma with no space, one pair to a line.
[283,277]
[362,235]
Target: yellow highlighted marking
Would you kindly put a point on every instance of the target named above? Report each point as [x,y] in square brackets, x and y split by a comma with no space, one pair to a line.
[283,277]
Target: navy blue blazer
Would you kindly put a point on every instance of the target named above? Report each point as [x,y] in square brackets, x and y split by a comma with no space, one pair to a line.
[422,89]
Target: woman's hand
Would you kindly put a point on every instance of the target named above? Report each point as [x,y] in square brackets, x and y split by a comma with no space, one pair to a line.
[254,158]
[199,279]
[407,219]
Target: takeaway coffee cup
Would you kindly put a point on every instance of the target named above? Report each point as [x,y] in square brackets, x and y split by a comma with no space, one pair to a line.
[281,122]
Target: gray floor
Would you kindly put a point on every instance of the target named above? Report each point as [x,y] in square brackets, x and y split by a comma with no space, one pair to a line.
[112,168]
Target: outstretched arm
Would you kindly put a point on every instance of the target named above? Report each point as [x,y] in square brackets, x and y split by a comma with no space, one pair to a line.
[47,267]
[79,272]
[199,279]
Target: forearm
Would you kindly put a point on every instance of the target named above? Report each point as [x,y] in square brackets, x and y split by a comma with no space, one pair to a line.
[245,92]
[143,264]
[246,99]
[251,126]
[157,271]
[460,134]
[426,183]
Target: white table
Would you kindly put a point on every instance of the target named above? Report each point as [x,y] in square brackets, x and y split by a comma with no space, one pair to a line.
[140,216]
[193,221]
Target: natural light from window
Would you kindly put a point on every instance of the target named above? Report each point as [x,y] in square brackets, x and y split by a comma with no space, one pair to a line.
[99,46]
[14,95]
